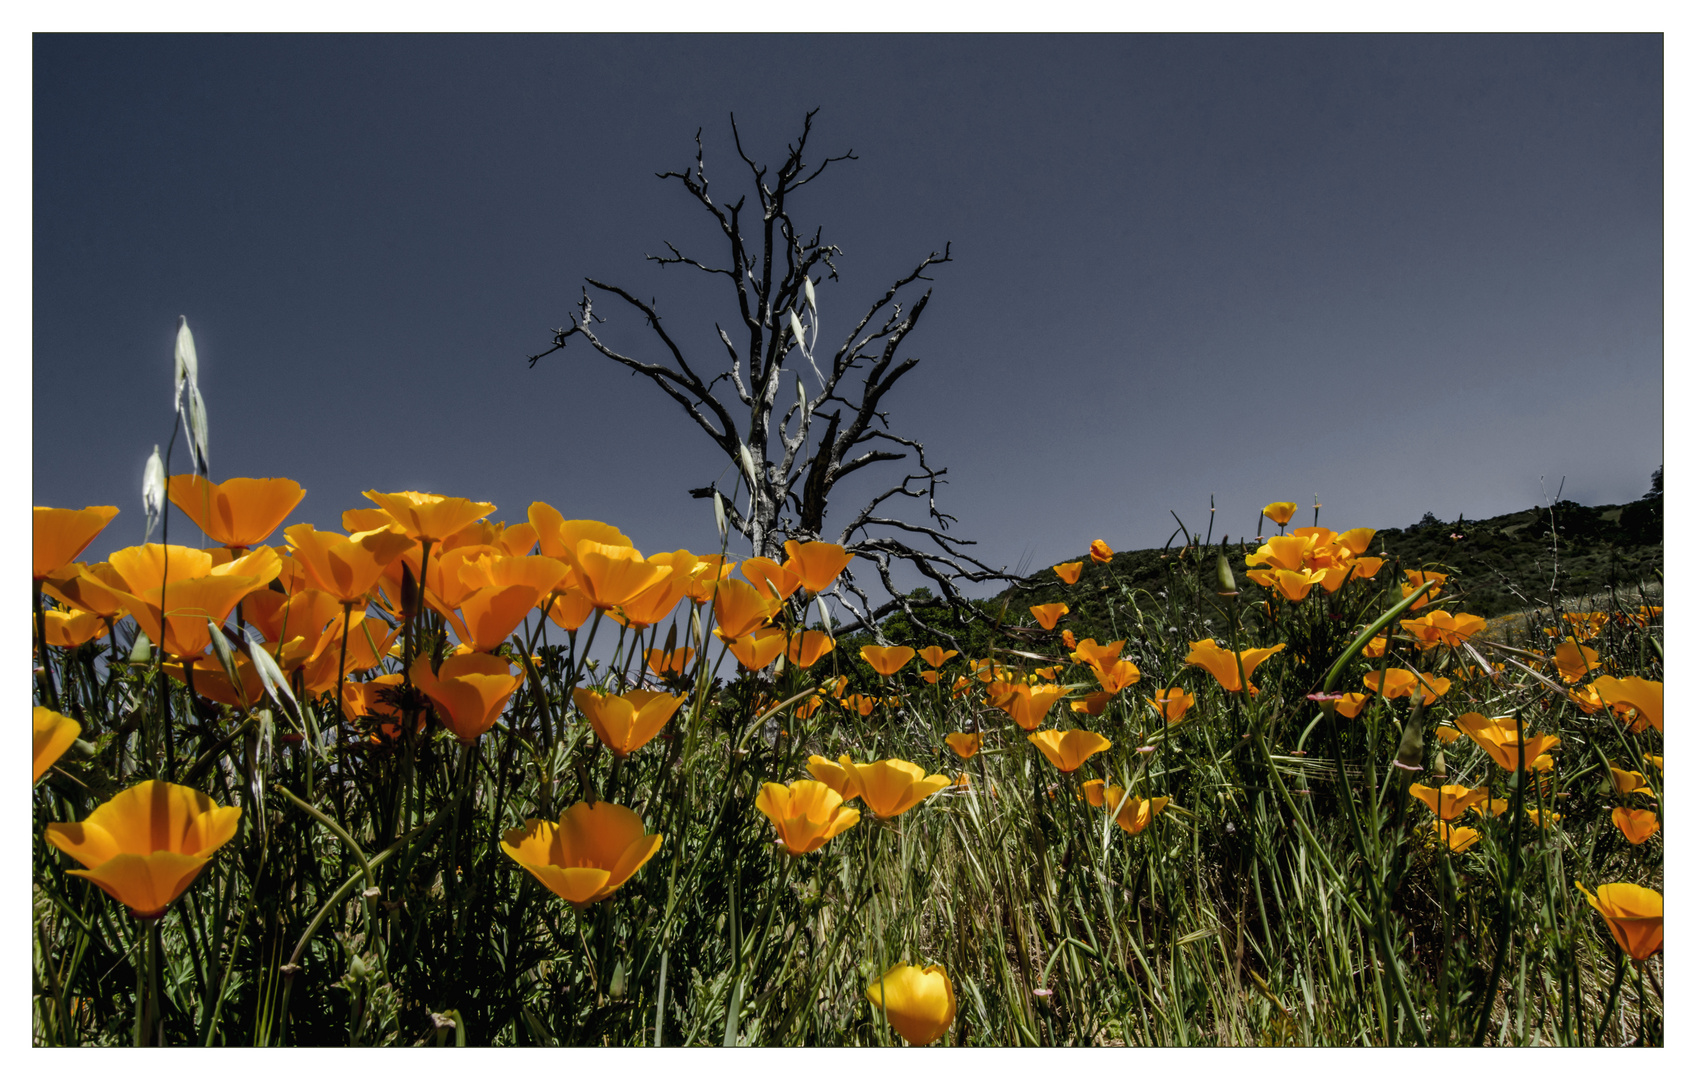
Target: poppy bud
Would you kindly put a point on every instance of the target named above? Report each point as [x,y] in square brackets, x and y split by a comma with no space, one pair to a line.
[1410,754]
[1227,580]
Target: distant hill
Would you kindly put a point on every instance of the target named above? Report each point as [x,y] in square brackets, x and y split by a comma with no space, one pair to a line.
[1499,564]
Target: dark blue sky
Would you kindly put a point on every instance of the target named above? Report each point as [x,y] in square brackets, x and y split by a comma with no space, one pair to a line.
[1409,273]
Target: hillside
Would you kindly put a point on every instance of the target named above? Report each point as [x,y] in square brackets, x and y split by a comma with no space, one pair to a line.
[1496,566]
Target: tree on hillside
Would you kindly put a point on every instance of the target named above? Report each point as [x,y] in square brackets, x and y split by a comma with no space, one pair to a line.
[771,266]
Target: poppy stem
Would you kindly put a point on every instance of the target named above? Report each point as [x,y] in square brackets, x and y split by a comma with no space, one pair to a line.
[1613,996]
[46,660]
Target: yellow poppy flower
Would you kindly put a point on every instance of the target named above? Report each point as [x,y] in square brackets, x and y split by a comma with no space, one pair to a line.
[1069,571]
[1068,750]
[61,535]
[1097,656]
[145,845]
[936,656]
[815,563]
[1574,661]
[238,513]
[887,660]
[1092,704]
[346,567]
[1633,914]
[651,606]
[204,592]
[864,704]
[588,855]
[1628,783]
[1279,513]
[919,1002]
[52,734]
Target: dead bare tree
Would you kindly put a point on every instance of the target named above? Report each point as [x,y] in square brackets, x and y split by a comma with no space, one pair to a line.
[789,468]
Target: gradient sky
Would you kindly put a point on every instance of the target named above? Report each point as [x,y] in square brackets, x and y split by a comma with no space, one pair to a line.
[1408,273]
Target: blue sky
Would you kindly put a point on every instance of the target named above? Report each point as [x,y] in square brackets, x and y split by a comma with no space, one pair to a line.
[1408,273]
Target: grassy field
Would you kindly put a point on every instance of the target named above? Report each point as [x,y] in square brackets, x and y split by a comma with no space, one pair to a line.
[422,815]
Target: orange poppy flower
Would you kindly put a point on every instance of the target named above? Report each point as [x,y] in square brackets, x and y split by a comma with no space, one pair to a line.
[1400,682]
[919,1002]
[469,691]
[887,660]
[1092,704]
[346,567]
[652,605]
[1638,693]
[1574,661]
[967,746]
[892,787]
[1136,813]
[1279,513]
[1099,552]
[1633,914]
[1222,663]
[739,608]
[89,588]
[1172,703]
[705,576]
[1626,782]
[756,651]
[629,721]
[1350,705]
[771,578]
[1440,627]
[1097,656]
[836,774]
[51,735]
[1068,750]
[570,609]
[61,535]
[195,590]
[69,629]
[238,513]
[585,858]
[145,845]
[816,563]
[805,813]
[1451,800]
[1637,825]
[1029,705]
[936,656]
[612,575]
[1503,740]
[1416,578]
[1120,675]
[1282,552]
[863,704]
[426,517]
[1457,837]
[809,647]
[1069,571]
[669,664]
[1048,614]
